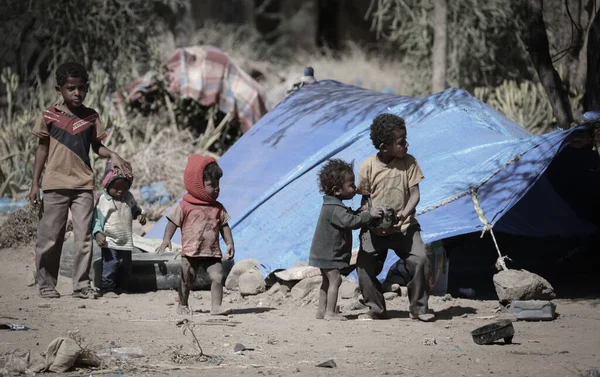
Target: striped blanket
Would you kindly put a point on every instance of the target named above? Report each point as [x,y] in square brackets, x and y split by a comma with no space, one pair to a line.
[207,75]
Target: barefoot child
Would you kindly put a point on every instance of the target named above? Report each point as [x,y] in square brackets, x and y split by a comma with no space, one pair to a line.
[201,218]
[332,243]
[113,231]
[391,177]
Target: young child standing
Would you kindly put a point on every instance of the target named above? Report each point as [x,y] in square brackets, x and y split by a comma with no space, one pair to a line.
[331,247]
[65,132]
[113,231]
[201,218]
[391,177]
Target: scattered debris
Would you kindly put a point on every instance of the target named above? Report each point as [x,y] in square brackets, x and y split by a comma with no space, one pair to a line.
[533,310]
[521,285]
[239,348]
[429,341]
[14,327]
[495,331]
[81,307]
[327,364]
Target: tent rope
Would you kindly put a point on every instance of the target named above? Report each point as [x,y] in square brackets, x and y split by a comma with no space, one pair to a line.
[500,262]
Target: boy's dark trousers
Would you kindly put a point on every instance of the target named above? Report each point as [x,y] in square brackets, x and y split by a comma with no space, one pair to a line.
[116,269]
[51,235]
[371,257]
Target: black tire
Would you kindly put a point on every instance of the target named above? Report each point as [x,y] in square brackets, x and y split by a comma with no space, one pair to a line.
[67,256]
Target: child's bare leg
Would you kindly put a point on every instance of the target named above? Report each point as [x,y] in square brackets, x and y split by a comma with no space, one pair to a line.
[188,275]
[335,280]
[323,295]
[215,272]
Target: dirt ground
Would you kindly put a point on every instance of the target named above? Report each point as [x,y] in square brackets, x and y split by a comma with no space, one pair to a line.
[288,341]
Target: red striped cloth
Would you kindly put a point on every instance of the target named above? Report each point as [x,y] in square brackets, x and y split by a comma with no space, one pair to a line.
[207,75]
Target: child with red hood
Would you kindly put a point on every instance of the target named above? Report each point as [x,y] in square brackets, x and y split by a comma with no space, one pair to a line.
[201,219]
[115,210]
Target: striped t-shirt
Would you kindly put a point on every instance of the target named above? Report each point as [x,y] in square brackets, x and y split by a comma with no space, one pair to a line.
[114,219]
[70,137]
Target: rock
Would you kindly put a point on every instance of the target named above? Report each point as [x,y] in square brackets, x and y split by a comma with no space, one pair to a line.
[349,289]
[238,269]
[305,286]
[521,285]
[327,364]
[251,283]
[286,287]
[390,295]
[355,305]
[274,289]
[403,291]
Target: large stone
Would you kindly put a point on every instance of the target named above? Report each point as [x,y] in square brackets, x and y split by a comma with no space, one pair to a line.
[521,285]
[232,281]
[305,286]
[251,282]
[349,289]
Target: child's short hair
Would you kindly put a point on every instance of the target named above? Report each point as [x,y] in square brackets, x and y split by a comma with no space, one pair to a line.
[212,172]
[70,69]
[383,127]
[333,174]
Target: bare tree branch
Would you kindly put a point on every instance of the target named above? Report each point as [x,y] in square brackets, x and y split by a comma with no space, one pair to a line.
[440,46]
[539,51]
[591,101]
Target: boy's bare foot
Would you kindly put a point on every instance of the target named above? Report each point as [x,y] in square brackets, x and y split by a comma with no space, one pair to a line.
[335,317]
[320,315]
[183,310]
[220,311]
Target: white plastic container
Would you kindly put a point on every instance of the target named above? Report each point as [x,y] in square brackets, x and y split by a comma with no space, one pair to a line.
[533,310]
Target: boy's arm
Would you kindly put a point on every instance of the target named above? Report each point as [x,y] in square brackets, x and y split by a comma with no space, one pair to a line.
[411,205]
[169,232]
[346,220]
[115,159]
[99,221]
[136,210]
[228,238]
[41,154]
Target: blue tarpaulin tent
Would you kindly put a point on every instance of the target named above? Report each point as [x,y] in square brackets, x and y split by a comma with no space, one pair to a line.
[270,190]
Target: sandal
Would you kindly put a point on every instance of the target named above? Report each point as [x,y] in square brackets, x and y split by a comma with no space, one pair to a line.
[49,293]
[183,310]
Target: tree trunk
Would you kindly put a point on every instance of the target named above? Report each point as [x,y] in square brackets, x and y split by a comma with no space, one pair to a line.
[440,46]
[539,51]
[591,100]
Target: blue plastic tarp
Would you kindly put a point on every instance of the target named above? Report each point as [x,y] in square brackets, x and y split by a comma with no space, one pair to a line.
[270,189]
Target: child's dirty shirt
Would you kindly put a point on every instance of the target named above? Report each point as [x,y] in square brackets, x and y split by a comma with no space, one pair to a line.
[114,219]
[200,228]
[389,184]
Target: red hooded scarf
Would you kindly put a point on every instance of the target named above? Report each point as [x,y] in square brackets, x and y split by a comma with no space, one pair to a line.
[194,182]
